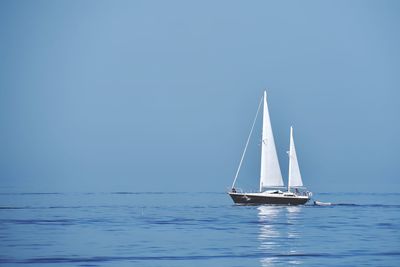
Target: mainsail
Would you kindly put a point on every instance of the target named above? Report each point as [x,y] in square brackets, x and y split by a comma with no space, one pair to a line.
[294,179]
[271,175]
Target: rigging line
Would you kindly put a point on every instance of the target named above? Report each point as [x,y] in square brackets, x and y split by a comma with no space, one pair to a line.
[247,143]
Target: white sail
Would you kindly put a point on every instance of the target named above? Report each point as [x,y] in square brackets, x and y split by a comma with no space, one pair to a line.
[271,175]
[294,179]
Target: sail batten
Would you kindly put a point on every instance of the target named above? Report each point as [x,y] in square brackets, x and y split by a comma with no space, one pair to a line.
[294,179]
[270,174]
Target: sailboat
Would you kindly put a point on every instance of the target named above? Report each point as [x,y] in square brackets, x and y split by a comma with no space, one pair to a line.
[271,181]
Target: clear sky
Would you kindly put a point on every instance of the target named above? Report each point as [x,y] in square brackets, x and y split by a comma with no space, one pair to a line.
[160,95]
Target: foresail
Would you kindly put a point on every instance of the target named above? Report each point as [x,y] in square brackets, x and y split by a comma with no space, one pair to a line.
[271,175]
[294,179]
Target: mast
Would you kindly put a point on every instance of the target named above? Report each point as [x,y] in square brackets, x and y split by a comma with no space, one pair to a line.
[270,171]
[290,158]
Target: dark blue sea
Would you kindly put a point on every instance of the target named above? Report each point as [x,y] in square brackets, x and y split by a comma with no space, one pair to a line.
[196,229]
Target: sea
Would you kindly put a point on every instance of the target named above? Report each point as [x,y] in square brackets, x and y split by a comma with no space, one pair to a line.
[196,229]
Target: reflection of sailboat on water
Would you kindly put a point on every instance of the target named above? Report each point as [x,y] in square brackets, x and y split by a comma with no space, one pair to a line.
[270,172]
[266,217]
[269,234]
[292,213]
[277,233]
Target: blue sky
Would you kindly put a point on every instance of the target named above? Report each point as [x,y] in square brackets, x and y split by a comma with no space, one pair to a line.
[160,95]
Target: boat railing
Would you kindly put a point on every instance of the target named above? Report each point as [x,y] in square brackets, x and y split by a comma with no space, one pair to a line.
[235,190]
[241,191]
[303,193]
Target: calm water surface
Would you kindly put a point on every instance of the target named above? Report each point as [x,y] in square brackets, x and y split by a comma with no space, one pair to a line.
[196,229]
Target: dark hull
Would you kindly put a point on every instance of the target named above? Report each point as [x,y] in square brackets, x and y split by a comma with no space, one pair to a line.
[249,199]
